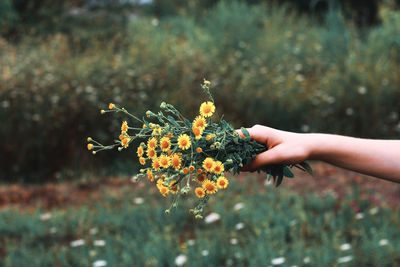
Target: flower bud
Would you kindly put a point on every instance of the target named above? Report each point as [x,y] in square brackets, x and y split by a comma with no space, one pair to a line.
[89,139]
[163,105]
[102,111]
[166,211]
[199,216]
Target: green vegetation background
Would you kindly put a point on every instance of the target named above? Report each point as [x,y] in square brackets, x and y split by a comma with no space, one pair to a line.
[268,65]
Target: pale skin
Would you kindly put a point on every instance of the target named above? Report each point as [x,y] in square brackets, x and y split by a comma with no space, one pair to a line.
[378,158]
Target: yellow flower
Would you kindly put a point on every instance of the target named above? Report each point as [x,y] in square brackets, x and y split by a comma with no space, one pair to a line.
[156,164]
[210,136]
[210,187]
[125,142]
[151,153]
[176,161]
[150,175]
[165,161]
[140,151]
[152,143]
[111,106]
[173,188]
[124,127]
[165,144]
[222,182]
[184,141]
[197,132]
[199,192]
[218,167]
[89,146]
[206,82]
[144,126]
[191,168]
[142,160]
[207,109]
[164,190]
[208,164]
[200,122]
[160,183]
[157,131]
[201,178]
[199,150]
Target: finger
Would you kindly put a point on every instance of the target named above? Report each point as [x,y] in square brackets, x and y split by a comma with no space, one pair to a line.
[272,156]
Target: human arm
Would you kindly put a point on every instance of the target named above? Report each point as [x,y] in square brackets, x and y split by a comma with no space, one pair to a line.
[379,158]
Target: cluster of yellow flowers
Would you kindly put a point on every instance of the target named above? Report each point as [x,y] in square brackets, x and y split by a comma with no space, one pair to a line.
[177,152]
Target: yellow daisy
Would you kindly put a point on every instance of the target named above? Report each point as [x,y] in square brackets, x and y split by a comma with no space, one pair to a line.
[197,132]
[173,188]
[165,161]
[151,153]
[184,141]
[156,164]
[125,142]
[200,122]
[210,136]
[222,182]
[199,150]
[207,109]
[140,151]
[152,143]
[124,127]
[218,167]
[150,175]
[176,161]
[201,178]
[165,143]
[210,187]
[164,190]
[208,164]
[142,160]
[157,131]
[199,192]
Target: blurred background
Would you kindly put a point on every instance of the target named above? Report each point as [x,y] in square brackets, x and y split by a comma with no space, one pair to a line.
[328,66]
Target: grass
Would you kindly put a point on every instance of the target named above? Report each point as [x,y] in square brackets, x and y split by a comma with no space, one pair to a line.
[257,226]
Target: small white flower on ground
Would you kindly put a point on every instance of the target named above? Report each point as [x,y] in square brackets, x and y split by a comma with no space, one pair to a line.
[374,211]
[77,243]
[99,263]
[234,241]
[360,216]
[362,90]
[138,201]
[190,242]
[205,253]
[53,230]
[345,259]
[212,217]
[239,226]
[345,246]
[383,242]
[180,260]
[278,261]
[45,216]
[99,243]
[238,206]
[93,231]
[307,260]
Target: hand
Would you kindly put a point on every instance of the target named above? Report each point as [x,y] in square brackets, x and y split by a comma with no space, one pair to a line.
[283,147]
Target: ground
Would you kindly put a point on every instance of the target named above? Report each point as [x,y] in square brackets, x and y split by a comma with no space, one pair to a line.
[326,179]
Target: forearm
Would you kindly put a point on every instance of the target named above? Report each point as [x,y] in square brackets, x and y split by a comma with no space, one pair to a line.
[380,158]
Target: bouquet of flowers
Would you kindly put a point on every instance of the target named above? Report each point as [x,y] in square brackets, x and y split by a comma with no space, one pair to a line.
[179,155]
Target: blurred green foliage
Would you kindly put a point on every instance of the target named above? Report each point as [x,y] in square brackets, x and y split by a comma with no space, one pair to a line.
[254,229]
[268,65]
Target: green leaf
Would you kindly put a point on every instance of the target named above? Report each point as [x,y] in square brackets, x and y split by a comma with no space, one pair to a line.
[287,172]
[245,133]
[307,166]
[172,120]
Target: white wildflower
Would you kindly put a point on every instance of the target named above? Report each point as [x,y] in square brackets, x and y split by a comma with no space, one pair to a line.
[239,226]
[77,243]
[238,206]
[345,259]
[180,260]
[278,261]
[99,263]
[212,217]
[345,246]
[383,242]
[99,243]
